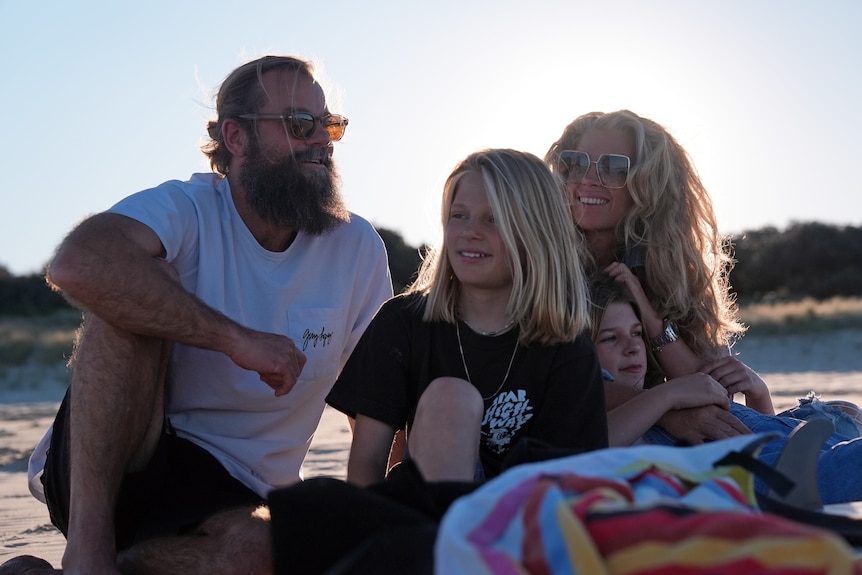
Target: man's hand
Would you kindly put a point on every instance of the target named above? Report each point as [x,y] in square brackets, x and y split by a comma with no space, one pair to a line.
[696,425]
[275,357]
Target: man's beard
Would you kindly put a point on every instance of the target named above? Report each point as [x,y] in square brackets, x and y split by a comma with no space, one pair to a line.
[282,193]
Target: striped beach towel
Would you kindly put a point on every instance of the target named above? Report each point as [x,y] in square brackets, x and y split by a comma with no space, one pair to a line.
[645,510]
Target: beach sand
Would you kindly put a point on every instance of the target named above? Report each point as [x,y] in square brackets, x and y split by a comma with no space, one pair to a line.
[828,363]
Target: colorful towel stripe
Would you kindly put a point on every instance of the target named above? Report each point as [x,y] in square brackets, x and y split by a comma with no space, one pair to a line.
[652,520]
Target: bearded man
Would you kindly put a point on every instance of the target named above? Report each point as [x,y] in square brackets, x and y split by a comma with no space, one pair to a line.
[218,312]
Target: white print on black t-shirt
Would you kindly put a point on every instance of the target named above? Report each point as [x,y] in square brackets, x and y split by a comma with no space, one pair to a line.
[323,338]
[509,411]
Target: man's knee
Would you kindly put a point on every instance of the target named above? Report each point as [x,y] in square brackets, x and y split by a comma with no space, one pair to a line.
[244,530]
[94,327]
[233,541]
[246,517]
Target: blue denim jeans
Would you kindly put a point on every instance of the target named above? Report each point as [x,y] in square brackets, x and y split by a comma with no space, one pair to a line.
[839,471]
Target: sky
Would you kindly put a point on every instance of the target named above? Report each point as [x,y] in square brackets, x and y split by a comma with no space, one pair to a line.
[102,99]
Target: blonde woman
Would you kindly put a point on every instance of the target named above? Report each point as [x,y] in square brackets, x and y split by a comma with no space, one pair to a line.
[646,215]
[489,345]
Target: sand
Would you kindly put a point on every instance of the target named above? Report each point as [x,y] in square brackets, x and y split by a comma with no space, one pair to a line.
[829,364]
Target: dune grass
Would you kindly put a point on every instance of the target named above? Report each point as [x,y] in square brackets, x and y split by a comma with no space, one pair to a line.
[803,316]
[34,350]
[47,340]
[36,341]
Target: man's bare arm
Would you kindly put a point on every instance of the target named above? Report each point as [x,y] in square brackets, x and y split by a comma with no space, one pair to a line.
[109,265]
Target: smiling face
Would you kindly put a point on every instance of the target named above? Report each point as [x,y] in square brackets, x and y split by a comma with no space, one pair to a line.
[288,181]
[289,91]
[595,208]
[474,246]
[620,345]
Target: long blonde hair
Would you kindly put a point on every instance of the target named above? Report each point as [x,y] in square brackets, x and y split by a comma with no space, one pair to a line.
[530,208]
[687,261]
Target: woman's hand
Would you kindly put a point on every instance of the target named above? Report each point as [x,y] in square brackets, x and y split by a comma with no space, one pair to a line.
[736,377]
[621,273]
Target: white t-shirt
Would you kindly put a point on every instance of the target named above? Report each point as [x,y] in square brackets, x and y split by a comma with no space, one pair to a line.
[321,292]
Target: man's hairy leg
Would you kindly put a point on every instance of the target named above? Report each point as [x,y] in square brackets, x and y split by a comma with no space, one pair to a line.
[236,541]
[116,417]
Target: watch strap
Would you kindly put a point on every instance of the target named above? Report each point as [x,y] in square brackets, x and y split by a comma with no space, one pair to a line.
[667,336]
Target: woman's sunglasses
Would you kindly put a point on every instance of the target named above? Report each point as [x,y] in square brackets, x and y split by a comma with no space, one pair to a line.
[300,125]
[612,169]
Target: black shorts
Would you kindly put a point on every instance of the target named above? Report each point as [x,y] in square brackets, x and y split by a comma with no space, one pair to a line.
[182,486]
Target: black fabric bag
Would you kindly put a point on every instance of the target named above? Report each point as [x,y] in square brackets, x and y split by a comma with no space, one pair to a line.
[327,526]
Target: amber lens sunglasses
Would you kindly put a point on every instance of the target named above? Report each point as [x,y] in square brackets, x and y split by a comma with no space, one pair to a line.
[300,125]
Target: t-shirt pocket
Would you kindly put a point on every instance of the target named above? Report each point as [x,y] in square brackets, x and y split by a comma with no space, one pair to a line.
[320,334]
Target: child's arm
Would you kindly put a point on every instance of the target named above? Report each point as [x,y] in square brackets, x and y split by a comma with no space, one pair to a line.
[369,452]
[631,420]
[736,377]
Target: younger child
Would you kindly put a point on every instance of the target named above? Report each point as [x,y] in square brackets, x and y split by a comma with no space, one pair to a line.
[621,347]
[488,347]
[618,335]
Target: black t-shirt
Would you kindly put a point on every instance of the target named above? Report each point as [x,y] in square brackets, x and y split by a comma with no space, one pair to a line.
[554,394]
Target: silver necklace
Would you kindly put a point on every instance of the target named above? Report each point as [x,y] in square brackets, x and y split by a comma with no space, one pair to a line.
[467,371]
[493,332]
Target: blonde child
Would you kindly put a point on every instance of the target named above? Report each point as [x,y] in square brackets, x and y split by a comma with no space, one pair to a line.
[489,346]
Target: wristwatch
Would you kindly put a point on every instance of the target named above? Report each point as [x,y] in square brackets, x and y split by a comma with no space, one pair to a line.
[668,335]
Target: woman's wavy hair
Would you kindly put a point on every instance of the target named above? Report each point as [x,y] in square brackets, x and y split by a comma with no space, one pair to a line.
[530,207]
[687,261]
[242,92]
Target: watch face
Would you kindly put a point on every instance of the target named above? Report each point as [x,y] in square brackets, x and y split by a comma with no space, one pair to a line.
[670,332]
[669,335]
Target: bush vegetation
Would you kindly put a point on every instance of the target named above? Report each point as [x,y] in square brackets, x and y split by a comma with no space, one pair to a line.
[808,260]
[806,278]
